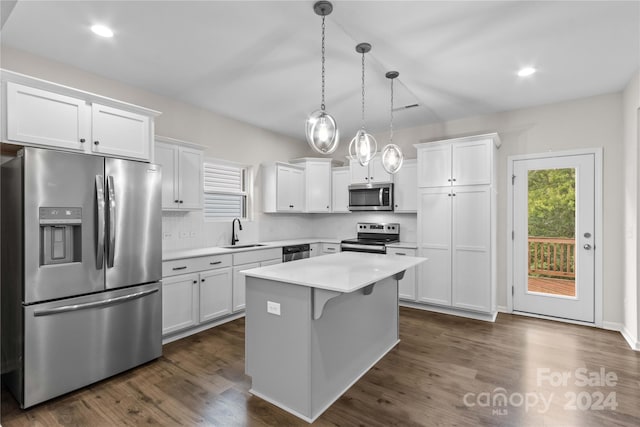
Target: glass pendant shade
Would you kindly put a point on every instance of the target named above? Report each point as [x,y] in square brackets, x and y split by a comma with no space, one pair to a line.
[363,147]
[321,129]
[392,158]
[322,132]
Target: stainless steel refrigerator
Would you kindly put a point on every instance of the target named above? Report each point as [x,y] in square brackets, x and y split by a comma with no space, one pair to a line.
[81,264]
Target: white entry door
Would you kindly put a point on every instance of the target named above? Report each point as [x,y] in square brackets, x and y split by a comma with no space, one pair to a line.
[553,240]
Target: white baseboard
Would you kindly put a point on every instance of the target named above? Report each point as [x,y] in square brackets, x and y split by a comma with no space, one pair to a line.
[633,343]
[487,317]
[200,328]
[503,309]
[612,326]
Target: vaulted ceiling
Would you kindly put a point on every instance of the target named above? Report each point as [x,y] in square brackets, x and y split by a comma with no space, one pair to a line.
[259,61]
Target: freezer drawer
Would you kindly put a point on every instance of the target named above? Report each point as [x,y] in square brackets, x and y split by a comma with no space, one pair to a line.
[74,342]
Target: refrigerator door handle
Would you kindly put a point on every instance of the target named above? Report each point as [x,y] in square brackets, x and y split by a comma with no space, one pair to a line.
[95,304]
[111,248]
[100,225]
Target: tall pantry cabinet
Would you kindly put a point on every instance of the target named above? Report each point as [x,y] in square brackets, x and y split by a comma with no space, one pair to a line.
[457,225]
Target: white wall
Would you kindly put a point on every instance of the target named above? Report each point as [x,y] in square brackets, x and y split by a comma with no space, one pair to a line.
[223,138]
[582,123]
[631,189]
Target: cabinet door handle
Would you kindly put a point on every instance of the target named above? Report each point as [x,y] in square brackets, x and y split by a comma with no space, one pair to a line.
[176,201]
[181,201]
[202,280]
[371,178]
[400,253]
[454,180]
[331,249]
[82,140]
[96,142]
[179,268]
[449,180]
[215,263]
[195,281]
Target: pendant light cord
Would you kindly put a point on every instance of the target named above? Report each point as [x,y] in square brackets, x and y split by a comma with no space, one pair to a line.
[323,27]
[362,90]
[391,121]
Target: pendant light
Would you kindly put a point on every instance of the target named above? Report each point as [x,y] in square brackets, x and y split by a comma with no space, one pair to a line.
[363,146]
[321,129]
[392,156]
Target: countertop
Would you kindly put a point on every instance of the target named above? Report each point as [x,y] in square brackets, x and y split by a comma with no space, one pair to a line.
[404,245]
[341,272]
[218,250]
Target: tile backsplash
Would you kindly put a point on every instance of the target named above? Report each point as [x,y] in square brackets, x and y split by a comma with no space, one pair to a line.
[188,230]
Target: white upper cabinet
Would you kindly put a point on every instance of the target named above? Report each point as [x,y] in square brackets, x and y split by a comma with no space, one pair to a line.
[181,174]
[435,165]
[370,174]
[283,187]
[341,178]
[45,114]
[119,133]
[405,189]
[317,183]
[457,162]
[472,162]
[45,118]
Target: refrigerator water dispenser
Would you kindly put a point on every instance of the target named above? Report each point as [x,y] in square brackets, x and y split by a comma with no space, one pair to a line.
[60,235]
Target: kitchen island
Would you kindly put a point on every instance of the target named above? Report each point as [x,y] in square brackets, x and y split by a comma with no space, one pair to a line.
[315,326]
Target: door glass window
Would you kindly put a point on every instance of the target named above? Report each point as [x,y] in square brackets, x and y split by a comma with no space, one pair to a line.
[551,227]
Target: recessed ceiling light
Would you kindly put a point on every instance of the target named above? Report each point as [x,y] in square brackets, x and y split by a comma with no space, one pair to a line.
[526,71]
[102,31]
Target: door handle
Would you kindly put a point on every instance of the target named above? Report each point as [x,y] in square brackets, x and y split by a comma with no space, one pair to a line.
[100,227]
[111,248]
[587,246]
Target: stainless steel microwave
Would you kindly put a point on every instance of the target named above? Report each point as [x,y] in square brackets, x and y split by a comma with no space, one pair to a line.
[371,197]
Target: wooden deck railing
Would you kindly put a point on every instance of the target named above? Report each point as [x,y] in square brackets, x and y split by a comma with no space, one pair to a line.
[551,256]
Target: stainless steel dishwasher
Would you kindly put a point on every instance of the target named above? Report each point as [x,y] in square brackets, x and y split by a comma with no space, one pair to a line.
[295,252]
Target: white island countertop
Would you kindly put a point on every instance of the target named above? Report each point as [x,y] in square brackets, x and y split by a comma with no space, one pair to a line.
[340,272]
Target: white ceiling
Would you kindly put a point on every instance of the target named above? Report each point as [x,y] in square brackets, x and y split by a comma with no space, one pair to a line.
[259,61]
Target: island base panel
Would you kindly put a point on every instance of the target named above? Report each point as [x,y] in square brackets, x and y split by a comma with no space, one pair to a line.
[303,365]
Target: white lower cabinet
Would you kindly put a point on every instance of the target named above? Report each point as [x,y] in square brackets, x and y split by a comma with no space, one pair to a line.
[248,260]
[406,286]
[215,294]
[239,284]
[330,248]
[179,302]
[315,249]
[195,292]
[455,235]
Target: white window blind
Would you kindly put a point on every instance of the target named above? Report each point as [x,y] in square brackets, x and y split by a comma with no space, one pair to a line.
[225,195]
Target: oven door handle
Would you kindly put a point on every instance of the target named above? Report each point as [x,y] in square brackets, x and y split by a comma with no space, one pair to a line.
[366,248]
[380,197]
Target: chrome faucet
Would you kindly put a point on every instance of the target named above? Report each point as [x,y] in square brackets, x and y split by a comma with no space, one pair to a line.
[234,237]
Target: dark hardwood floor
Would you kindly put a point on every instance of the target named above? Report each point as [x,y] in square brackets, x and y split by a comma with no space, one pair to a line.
[446,371]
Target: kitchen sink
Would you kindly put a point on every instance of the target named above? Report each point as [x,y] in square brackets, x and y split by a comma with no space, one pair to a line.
[243,246]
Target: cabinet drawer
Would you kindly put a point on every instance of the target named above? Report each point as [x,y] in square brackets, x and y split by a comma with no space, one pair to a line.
[401,251]
[330,248]
[191,265]
[256,256]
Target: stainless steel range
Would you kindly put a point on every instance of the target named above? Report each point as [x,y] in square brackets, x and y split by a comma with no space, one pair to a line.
[372,238]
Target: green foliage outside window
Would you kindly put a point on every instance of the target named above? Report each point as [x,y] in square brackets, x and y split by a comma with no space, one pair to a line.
[552,203]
